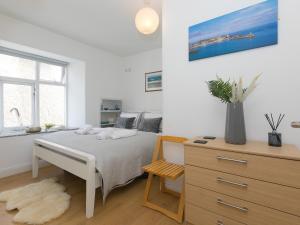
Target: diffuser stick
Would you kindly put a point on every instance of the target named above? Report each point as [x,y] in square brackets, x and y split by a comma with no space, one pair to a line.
[277,124]
[269,121]
[273,123]
[280,120]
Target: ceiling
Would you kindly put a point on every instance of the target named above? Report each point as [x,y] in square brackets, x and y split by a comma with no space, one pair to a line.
[105,24]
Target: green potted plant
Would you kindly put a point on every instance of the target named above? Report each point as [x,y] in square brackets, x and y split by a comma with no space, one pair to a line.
[233,94]
[48,126]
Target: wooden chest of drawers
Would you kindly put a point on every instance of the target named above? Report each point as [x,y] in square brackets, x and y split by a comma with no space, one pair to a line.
[251,184]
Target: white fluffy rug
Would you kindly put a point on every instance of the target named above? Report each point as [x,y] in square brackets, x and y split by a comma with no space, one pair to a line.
[37,203]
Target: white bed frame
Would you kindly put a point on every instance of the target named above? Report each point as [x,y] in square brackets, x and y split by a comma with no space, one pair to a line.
[76,162]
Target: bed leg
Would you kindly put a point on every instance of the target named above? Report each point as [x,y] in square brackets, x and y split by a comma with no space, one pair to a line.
[90,190]
[35,165]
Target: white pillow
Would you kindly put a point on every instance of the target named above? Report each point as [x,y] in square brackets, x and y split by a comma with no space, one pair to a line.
[137,116]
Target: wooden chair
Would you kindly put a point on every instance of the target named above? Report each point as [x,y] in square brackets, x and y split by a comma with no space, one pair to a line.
[165,170]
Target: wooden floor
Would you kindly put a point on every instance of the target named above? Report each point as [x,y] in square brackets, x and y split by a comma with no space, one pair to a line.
[123,205]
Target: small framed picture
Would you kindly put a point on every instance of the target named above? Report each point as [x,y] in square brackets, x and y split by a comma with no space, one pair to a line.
[153,81]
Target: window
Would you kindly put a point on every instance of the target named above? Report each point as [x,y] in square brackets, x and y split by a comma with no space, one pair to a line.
[17,96]
[11,66]
[51,73]
[32,91]
[52,104]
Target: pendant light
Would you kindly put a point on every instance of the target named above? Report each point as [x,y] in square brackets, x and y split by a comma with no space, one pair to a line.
[147,20]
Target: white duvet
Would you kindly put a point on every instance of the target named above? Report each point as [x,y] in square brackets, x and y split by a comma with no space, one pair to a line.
[118,161]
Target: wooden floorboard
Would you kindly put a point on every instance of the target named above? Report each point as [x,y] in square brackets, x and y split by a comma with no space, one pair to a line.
[123,205]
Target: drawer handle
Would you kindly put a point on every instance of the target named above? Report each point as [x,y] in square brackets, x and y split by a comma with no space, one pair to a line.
[221,180]
[242,209]
[220,222]
[232,160]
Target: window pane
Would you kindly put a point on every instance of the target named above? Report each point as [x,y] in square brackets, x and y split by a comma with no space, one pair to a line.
[52,104]
[11,66]
[19,97]
[50,72]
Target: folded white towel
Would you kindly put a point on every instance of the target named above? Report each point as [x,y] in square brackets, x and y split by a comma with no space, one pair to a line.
[84,130]
[122,133]
[96,130]
[105,133]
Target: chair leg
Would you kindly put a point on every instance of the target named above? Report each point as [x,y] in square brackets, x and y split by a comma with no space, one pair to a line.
[181,205]
[166,190]
[148,187]
[162,184]
[176,216]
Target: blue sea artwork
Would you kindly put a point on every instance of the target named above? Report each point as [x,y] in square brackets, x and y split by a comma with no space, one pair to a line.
[153,81]
[155,78]
[252,27]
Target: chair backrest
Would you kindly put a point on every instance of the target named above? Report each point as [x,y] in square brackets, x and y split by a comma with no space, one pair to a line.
[158,151]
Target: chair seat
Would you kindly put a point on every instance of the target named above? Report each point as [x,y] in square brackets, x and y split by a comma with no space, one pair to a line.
[165,169]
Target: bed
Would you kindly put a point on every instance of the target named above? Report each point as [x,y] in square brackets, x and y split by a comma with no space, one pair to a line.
[102,163]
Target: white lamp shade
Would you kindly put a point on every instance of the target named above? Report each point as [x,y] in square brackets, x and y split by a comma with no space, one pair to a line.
[147,20]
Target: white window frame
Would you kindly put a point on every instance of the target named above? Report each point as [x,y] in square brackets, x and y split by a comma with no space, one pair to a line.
[35,83]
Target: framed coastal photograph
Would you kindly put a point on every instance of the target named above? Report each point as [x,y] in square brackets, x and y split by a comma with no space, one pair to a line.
[153,81]
[252,27]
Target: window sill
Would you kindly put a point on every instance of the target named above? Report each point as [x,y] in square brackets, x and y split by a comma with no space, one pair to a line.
[7,134]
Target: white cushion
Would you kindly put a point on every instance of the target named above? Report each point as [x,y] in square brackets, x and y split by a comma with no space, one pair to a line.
[137,116]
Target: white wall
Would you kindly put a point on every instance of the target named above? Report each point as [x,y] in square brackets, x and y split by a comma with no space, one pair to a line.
[15,154]
[189,110]
[100,72]
[76,94]
[133,81]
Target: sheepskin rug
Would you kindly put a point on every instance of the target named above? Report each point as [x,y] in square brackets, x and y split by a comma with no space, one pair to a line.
[37,203]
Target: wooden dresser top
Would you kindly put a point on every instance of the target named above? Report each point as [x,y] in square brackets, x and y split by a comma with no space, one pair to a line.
[252,147]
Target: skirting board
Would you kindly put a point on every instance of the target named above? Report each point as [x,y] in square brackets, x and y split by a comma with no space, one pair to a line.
[6,172]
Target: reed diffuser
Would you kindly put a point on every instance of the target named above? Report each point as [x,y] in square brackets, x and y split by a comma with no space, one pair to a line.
[275,138]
